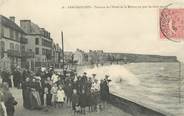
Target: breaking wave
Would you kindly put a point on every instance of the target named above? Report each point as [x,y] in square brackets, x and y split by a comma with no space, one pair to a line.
[117,73]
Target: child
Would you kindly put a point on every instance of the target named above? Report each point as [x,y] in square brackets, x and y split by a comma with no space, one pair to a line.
[75,101]
[60,96]
[54,94]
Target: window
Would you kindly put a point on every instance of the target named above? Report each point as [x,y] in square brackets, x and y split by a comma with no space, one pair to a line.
[43,51]
[23,48]
[2,45]
[17,36]
[37,41]
[38,59]
[17,47]
[6,32]
[37,51]
[11,34]
[30,50]
[11,46]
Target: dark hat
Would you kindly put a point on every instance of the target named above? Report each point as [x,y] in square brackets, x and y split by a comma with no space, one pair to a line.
[85,73]
[106,76]
[94,74]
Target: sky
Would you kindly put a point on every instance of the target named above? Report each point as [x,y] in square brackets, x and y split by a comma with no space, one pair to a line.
[127,30]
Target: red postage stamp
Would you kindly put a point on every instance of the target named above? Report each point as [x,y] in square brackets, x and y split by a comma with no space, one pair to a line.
[172,24]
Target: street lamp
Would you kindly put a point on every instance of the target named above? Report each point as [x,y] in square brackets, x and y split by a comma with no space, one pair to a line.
[63,51]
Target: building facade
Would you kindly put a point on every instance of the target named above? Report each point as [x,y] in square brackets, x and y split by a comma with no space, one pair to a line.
[96,57]
[12,44]
[40,42]
[57,55]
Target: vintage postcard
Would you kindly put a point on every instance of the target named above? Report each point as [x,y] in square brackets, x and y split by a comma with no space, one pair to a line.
[91,57]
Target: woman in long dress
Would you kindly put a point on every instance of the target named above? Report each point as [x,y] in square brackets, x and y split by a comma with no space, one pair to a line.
[35,96]
[26,93]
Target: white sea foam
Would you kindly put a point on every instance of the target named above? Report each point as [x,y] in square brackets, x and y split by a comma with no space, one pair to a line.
[117,73]
[162,68]
[153,84]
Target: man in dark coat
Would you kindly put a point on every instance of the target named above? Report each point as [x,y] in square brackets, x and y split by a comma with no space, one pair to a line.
[24,74]
[88,93]
[69,91]
[104,90]
[83,82]
[84,77]
[78,84]
[75,100]
[5,75]
[17,78]
[48,86]
[83,101]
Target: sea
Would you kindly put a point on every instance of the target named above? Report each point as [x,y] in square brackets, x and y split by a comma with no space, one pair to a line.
[157,85]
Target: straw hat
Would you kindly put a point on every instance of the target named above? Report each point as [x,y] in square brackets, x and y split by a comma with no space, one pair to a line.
[37,78]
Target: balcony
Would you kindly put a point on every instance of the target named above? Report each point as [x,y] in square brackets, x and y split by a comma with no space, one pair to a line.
[13,53]
[25,54]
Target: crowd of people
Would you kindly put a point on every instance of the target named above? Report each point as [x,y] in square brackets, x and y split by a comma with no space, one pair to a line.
[48,88]
[16,76]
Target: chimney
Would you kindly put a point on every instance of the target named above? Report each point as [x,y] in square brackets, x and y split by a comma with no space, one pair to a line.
[12,18]
[26,25]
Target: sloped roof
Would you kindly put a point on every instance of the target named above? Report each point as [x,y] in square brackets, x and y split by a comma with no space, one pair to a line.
[30,27]
[35,29]
[8,23]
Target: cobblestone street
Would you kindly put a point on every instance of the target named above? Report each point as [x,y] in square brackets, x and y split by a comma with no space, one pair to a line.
[65,111]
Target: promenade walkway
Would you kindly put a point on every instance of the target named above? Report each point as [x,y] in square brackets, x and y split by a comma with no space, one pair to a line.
[65,111]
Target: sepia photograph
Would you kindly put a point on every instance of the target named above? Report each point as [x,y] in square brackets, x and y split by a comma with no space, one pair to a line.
[91,58]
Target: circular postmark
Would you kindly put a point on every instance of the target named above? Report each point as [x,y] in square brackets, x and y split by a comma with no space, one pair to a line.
[172,22]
